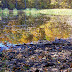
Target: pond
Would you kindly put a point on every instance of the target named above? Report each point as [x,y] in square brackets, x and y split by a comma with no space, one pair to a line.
[29,27]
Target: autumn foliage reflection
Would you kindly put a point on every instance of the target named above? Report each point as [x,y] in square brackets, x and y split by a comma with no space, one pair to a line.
[46,31]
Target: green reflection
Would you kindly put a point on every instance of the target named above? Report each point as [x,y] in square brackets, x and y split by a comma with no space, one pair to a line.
[5,12]
[15,12]
[28,12]
[33,11]
[0,12]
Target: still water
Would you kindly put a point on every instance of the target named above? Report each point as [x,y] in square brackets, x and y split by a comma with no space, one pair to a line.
[27,28]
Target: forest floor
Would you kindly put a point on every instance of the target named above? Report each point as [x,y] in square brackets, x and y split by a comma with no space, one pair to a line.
[37,58]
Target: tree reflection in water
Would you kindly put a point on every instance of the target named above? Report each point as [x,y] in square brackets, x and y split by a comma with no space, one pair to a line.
[38,28]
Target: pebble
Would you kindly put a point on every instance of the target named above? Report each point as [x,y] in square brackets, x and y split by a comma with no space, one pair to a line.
[54,58]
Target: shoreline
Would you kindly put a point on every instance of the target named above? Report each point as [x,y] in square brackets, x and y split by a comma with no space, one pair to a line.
[51,58]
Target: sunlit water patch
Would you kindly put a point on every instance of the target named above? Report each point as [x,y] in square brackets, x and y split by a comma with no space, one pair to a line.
[22,28]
